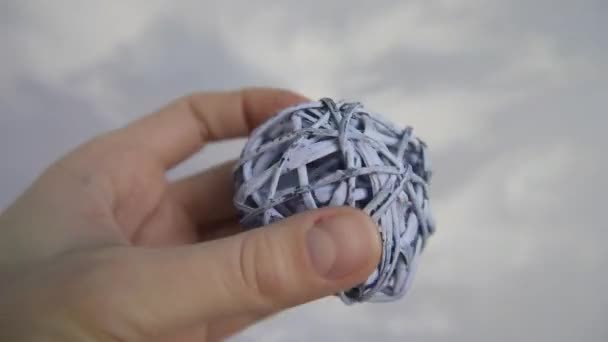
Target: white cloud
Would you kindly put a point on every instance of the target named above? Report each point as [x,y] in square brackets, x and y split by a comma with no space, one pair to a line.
[440,117]
[320,60]
[534,180]
[70,35]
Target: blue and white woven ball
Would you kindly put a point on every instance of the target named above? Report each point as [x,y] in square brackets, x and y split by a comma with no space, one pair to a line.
[324,153]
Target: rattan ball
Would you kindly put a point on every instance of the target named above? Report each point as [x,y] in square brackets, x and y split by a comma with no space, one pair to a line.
[326,153]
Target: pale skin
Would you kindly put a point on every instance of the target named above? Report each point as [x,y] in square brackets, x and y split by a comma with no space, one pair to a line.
[102,247]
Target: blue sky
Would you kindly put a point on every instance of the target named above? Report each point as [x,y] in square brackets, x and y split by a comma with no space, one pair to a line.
[510,96]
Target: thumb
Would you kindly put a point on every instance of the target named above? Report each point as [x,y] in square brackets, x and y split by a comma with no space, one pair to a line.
[308,256]
[299,259]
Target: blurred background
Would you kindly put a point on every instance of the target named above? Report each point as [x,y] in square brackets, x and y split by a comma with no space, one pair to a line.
[510,96]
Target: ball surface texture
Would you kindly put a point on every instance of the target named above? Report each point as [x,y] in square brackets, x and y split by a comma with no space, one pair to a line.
[325,153]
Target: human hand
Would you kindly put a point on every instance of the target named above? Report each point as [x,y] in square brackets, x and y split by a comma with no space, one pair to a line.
[102,247]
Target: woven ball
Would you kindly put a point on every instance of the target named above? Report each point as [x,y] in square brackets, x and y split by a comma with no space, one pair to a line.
[323,153]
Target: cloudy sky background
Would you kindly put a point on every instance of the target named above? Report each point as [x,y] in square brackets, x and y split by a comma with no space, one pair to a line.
[510,95]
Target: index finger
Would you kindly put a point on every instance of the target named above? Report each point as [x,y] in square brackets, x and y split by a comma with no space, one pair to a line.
[183,127]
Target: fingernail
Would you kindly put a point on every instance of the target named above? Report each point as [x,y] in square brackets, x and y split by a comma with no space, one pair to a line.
[342,244]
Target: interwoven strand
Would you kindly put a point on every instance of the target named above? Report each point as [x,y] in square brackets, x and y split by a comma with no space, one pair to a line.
[324,153]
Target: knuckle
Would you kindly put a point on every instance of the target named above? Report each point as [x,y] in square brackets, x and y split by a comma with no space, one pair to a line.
[263,270]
